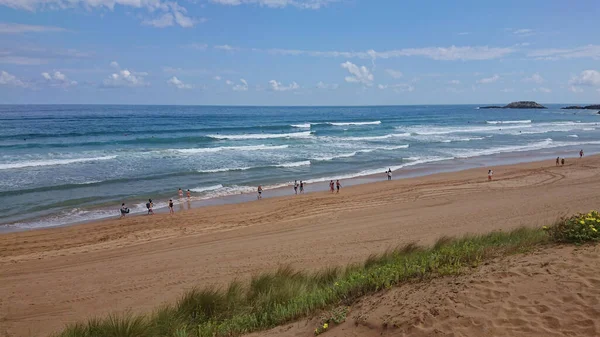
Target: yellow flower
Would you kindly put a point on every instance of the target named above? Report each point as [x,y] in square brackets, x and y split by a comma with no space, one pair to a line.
[336,284]
[545,227]
[582,222]
[325,326]
[594,229]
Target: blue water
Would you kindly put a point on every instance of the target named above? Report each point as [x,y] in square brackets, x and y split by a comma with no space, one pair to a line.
[61,164]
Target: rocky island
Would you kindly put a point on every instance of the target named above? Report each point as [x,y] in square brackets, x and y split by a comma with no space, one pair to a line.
[516,105]
[580,107]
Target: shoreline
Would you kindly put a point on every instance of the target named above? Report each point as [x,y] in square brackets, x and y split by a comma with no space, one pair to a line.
[285,189]
[55,276]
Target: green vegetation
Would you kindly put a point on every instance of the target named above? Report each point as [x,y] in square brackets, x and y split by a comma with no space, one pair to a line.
[577,229]
[275,298]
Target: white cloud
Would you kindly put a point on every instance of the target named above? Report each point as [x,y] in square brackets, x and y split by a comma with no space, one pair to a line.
[451,53]
[488,80]
[397,87]
[11,80]
[508,90]
[358,74]
[589,51]
[239,87]
[166,20]
[303,4]
[228,82]
[174,81]
[454,82]
[125,78]
[58,79]
[277,86]
[325,86]
[17,28]
[523,32]
[586,78]
[173,13]
[226,47]
[176,15]
[394,73]
[217,78]
[535,78]
[575,89]
[114,64]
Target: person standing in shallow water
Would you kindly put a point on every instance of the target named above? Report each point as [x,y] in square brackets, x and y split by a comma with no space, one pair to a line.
[259,192]
[149,206]
[301,187]
[124,210]
[171,210]
[180,193]
[295,186]
[389,174]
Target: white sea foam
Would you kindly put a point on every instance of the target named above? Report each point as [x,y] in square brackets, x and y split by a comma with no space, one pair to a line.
[302,126]
[574,136]
[369,138]
[294,164]
[263,135]
[353,123]
[545,144]
[352,154]
[231,148]
[206,188]
[225,169]
[52,162]
[414,161]
[527,121]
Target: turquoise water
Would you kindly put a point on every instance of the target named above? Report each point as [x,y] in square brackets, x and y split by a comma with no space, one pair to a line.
[65,164]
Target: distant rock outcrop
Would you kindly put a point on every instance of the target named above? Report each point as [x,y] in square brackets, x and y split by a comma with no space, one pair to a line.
[580,107]
[516,105]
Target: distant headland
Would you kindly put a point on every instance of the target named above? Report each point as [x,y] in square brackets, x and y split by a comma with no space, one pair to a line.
[580,107]
[516,105]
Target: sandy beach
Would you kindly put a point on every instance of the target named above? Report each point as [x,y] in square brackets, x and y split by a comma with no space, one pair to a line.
[51,277]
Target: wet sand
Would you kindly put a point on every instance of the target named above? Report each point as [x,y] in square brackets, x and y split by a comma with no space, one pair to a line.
[54,276]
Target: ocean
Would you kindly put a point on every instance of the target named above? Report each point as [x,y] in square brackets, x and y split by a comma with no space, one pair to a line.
[62,164]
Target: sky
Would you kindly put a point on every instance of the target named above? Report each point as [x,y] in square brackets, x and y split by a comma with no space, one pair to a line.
[298,52]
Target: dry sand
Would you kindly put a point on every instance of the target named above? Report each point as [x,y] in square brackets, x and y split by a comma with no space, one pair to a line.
[54,276]
[553,292]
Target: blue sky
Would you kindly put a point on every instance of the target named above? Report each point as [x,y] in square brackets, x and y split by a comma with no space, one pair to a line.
[298,52]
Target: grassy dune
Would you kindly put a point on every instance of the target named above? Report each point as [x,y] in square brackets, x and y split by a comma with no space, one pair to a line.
[272,299]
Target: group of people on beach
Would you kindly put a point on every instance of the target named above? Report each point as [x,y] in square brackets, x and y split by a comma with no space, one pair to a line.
[150,204]
[334,187]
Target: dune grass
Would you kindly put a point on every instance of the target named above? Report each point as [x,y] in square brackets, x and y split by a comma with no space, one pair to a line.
[278,297]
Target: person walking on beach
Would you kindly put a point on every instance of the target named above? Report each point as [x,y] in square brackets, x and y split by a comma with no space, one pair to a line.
[301,187]
[180,193]
[562,162]
[338,185]
[557,161]
[331,186]
[149,206]
[389,174]
[580,153]
[124,210]
[490,174]
[259,192]
[189,194]
[295,186]
[171,210]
